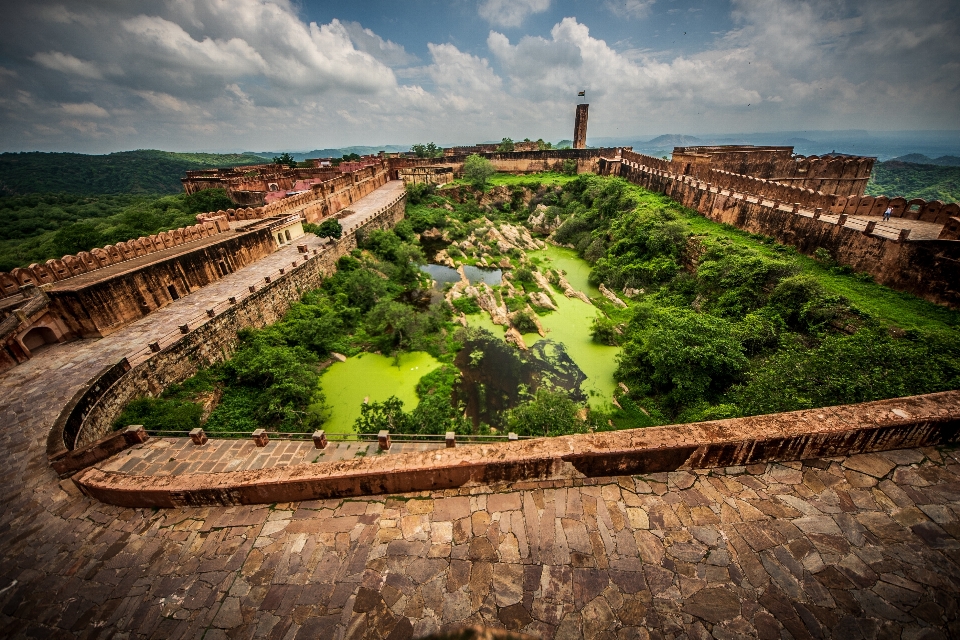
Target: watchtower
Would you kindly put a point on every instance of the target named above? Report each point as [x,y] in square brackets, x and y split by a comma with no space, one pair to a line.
[580,127]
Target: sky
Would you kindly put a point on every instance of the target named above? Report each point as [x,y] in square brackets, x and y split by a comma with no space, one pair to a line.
[96,76]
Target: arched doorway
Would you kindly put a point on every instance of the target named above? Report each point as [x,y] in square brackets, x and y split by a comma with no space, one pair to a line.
[38,337]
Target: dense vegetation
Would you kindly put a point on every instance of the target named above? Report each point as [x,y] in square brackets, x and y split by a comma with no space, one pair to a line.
[372,303]
[125,172]
[909,180]
[720,323]
[42,226]
[729,324]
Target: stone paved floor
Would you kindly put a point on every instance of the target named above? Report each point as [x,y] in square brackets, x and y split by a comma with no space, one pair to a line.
[859,547]
[176,456]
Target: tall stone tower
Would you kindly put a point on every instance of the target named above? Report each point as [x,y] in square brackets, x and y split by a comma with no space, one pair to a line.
[580,127]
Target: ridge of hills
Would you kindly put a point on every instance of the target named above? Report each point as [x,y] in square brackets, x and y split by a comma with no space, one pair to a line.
[144,171]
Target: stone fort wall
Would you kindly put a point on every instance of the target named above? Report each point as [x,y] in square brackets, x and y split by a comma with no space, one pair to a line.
[927,268]
[215,340]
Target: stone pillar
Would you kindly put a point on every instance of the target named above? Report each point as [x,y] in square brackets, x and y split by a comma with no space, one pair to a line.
[184,329]
[817,213]
[580,127]
[451,439]
[904,234]
[260,438]
[198,436]
[319,439]
[870,226]
[383,440]
[135,434]
[842,220]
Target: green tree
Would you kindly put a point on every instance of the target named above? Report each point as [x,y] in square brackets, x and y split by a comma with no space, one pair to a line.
[548,413]
[506,145]
[389,415]
[330,228]
[79,236]
[477,170]
[284,159]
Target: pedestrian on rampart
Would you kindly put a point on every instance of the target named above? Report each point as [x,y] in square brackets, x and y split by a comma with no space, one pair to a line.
[887,213]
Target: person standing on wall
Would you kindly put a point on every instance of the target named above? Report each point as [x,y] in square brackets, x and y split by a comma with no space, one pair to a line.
[887,213]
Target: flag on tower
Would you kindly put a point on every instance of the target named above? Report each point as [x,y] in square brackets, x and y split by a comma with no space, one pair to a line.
[582,93]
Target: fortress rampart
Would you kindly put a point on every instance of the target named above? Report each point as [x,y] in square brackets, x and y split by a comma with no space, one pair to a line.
[91,415]
[99,291]
[929,268]
[833,175]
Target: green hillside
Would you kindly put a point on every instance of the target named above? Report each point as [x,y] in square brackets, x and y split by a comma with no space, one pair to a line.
[126,172]
[909,180]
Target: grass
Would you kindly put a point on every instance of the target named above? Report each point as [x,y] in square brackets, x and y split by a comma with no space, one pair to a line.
[533,180]
[891,307]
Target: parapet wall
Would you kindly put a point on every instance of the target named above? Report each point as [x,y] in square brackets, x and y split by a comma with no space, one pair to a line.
[815,433]
[70,266]
[216,339]
[927,268]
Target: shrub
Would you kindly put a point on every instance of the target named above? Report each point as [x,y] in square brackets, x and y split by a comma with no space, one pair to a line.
[477,170]
[548,413]
[329,228]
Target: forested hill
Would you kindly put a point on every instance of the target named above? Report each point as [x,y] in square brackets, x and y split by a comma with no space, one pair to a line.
[911,180]
[143,171]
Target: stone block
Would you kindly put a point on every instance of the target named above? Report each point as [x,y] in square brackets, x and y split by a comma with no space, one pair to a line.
[319,439]
[198,436]
[184,329]
[260,438]
[266,279]
[252,288]
[383,440]
[302,248]
[135,434]
[512,436]
[451,439]
[155,347]
[817,213]
[842,220]
[904,234]
[232,300]
[210,313]
[870,226]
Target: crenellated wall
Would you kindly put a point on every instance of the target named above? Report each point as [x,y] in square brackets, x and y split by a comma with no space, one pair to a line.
[808,221]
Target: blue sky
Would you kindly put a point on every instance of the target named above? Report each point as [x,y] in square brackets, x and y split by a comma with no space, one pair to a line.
[219,75]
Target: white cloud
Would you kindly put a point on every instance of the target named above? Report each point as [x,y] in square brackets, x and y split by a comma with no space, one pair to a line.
[84,109]
[510,13]
[68,64]
[387,52]
[630,9]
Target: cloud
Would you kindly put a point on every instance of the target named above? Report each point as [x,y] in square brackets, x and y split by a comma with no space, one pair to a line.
[85,109]
[211,74]
[510,13]
[630,9]
[67,63]
[387,52]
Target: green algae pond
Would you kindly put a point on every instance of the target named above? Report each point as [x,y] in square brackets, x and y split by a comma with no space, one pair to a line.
[567,357]
[570,325]
[374,378]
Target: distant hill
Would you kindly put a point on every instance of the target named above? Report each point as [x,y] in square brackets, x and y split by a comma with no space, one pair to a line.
[300,156]
[673,140]
[919,158]
[129,172]
[912,180]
